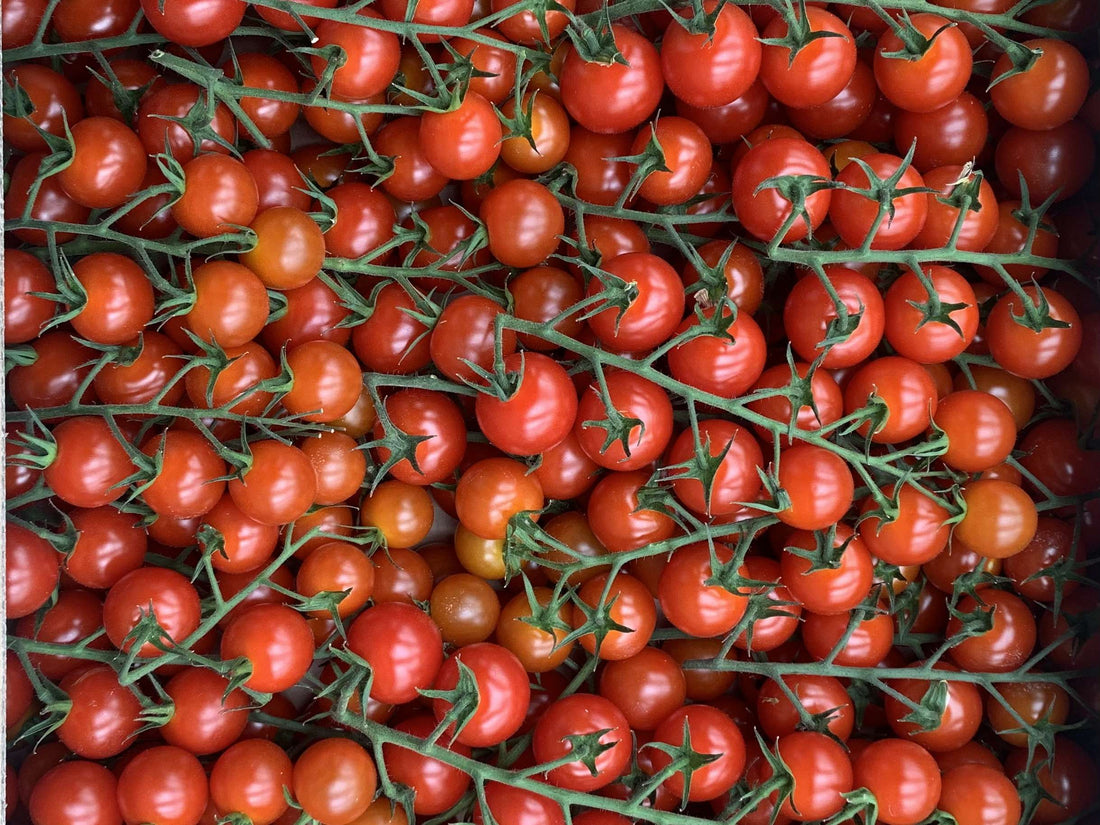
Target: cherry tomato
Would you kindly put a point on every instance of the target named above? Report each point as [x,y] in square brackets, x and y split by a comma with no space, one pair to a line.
[334,781]
[576,716]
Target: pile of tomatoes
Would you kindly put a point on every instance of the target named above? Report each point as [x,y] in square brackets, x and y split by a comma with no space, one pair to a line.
[551,412]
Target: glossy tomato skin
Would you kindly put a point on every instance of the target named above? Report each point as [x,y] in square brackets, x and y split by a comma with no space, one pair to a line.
[1029,353]
[957,724]
[853,213]
[613,98]
[334,780]
[372,56]
[629,603]
[647,687]
[104,716]
[464,143]
[779,716]
[579,714]
[1050,161]
[1050,93]
[76,791]
[763,210]
[711,732]
[418,412]
[524,220]
[735,480]
[932,80]
[689,602]
[903,387]
[108,163]
[503,693]
[163,784]
[715,363]
[818,71]
[403,646]
[31,574]
[191,479]
[633,397]
[251,777]
[810,309]
[712,71]
[821,770]
[930,341]
[207,716]
[436,785]
[539,415]
[945,208]
[189,23]
[979,795]
[834,589]
[164,593]
[904,778]
[652,314]
[951,134]
[277,642]
[1006,645]
[819,486]
[616,518]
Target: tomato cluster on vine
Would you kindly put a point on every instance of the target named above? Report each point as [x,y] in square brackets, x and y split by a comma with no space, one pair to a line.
[551,413]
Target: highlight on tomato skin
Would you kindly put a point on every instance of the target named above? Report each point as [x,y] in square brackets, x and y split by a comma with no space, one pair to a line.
[530,413]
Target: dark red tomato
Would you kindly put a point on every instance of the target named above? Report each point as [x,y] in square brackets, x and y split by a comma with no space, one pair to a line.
[811,317]
[931,79]
[447,13]
[18,693]
[508,803]
[565,470]
[21,21]
[641,430]
[818,484]
[191,23]
[1067,776]
[842,114]
[1011,237]
[74,792]
[288,22]
[1006,645]
[954,725]
[902,775]
[151,593]
[255,71]
[818,71]
[820,771]
[688,598]
[220,195]
[334,780]
[137,78]
[824,406]
[494,490]
[980,429]
[868,644]
[556,736]
[1024,351]
[403,647]
[252,778]
[275,640]
[734,481]
[436,786]
[728,123]
[278,181]
[176,100]
[31,575]
[24,313]
[313,313]
[726,364]
[152,373]
[979,795]
[501,700]
[714,70]
[601,178]
[654,302]
[51,204]
[944,211]
[237,385]
[1049,93]
[625,602]
[537,414]
[612,98]
[279,485]
[89,463]
[953,134]
[108,163]
[780,716]
[207,716]
[74,617]
[764,209]
[853,211]
[523,220]
[48,101]
[708,731]
[647,687]
[465,142]
[364,221]
[1052,547]
[415,413]
[414,178]
[904,398]
[465,331]
[1018,708]
[191,474]
[835,588]
[931,320]
[60,368]
[1050,162]
[617,519]
[109,544]
[371,56]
